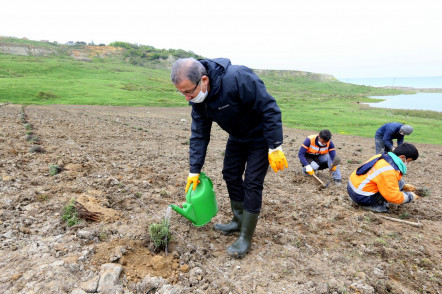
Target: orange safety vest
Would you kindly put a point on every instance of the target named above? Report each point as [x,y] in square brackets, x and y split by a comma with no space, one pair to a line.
[382,178]
[315,149]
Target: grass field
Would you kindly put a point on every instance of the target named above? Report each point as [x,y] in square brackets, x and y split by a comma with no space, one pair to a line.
[306,103]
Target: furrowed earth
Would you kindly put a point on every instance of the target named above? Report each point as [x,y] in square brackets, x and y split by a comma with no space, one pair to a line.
[128,164]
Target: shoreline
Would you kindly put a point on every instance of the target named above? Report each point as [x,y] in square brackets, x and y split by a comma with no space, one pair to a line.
[425,90]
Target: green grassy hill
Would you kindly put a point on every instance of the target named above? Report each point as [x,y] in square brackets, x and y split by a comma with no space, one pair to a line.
[125,74]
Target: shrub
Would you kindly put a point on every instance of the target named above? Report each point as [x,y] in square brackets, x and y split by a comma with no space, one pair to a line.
[404,215]
[423,192]
[70,214]
[31,138]
[160,234]
[45,95]
[23,118]
[42,197]
[54,169]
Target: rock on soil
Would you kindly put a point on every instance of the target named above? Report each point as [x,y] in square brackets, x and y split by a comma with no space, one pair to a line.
[130,163]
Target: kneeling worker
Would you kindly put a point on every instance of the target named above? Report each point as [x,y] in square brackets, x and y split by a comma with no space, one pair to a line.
[379,180]
[318,152]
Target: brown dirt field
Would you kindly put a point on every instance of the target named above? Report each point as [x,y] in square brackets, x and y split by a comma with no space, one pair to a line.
[130,163]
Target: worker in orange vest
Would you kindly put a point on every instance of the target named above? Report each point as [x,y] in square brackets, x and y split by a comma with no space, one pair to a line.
[379,180]
[318,152]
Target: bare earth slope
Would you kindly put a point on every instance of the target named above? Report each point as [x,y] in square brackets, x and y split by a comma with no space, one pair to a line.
[129,164]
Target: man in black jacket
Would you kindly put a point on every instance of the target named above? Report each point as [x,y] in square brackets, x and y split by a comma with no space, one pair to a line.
[237,100]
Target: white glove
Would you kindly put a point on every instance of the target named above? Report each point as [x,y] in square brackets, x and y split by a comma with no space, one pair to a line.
[309,170]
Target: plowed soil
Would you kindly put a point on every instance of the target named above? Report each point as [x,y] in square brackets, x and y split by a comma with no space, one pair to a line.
[130,163]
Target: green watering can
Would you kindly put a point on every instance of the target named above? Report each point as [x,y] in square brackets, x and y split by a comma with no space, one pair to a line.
[200,204]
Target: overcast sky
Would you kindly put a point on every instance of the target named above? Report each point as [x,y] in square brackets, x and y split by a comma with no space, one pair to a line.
[344,38]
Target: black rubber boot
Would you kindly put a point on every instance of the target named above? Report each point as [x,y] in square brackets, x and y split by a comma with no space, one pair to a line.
[240,248]
[235,223]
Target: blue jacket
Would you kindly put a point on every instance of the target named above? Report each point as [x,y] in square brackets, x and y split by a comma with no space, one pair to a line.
[303,151]
[388,132]
[239,103]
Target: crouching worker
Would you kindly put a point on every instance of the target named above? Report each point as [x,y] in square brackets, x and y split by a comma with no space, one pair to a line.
[379,180]
[318,152]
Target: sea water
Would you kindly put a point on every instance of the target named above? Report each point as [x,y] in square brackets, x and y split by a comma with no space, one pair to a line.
[419,101]
[414,82]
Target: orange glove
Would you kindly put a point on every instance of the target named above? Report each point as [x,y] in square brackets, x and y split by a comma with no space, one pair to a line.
[334,167]
[277,159]
[408,188]
[192,179]
[415,197]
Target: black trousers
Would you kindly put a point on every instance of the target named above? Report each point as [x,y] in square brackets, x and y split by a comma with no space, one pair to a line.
[245,167]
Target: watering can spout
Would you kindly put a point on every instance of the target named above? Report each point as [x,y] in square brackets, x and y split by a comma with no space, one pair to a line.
[187,212]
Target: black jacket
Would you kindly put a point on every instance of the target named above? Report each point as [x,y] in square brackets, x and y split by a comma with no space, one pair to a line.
[239,103]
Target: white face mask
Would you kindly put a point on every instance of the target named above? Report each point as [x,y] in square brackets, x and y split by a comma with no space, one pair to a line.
[200,97]
[320,144]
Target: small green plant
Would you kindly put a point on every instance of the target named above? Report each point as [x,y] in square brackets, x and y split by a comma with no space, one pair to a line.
[36,149]
[103,236]
[404,215]
[381,241]
[42,197]
[31,138]
[393,235]
[164,193]
[160,234]
[28,126]
[423,192]
[138,194]
[70,214]
[54,169]
[23,118]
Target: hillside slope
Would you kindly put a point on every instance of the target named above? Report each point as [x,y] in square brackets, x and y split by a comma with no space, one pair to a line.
[43,73]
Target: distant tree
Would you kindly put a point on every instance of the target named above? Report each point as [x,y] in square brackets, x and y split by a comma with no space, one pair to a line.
[123,45]
[139,54]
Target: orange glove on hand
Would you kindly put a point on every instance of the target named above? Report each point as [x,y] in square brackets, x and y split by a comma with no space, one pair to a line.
[309,170]
[192,179]
[415,197]
[408,188]
[334,167]
[277,159]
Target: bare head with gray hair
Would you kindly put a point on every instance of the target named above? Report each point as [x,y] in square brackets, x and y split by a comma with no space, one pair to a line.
[406,130]
[187,68]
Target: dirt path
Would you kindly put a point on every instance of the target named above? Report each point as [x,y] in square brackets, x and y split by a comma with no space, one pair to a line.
[131,163]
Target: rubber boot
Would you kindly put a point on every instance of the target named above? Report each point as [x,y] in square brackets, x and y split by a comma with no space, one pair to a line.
[240,248]
[235,223]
